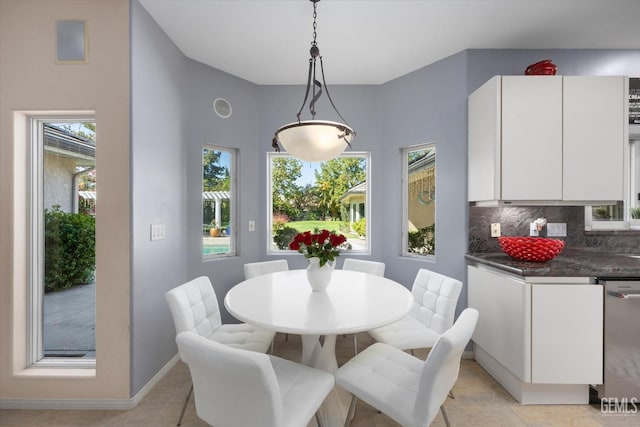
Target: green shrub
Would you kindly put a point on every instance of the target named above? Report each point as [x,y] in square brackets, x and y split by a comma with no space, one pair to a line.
[423,241]
[70,249]
[283,235]
[360,227]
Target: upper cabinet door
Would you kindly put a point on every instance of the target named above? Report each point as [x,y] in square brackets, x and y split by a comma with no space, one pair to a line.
[484,180]
[593,140]
[532,138]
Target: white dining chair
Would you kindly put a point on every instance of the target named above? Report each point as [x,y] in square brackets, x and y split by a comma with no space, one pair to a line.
[405,388]
[363,266]
[253,269]
[435,299]
[239,388]
[194,307]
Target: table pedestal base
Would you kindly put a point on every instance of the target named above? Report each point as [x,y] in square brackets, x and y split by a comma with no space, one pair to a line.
[333,411]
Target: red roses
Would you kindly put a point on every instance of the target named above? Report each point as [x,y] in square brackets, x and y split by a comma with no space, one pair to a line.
[324,245]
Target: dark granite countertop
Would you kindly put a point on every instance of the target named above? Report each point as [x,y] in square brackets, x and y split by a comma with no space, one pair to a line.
[569,263]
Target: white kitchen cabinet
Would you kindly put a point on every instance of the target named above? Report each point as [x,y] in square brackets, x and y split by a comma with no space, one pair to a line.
[566,333]
[504,324]
[531,138]
[544,138]
[540,337]
[593,138]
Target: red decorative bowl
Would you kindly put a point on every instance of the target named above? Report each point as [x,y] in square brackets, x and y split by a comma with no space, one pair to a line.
[536,249]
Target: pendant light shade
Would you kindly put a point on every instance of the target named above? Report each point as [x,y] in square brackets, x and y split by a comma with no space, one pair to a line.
[314,140]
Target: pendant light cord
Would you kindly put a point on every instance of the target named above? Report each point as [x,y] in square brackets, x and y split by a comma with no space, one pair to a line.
[311,76]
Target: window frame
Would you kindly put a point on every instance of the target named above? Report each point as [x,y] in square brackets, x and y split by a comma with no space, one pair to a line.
[36,253]
[269,226]
[233,184]
[404,249]
[631,152]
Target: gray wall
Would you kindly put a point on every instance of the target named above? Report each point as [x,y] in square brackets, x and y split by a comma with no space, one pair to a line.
[485,63]
[240,131]
[159,185]
[428,105]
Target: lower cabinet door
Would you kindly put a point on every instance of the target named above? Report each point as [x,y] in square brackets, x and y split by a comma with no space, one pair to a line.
[566,333]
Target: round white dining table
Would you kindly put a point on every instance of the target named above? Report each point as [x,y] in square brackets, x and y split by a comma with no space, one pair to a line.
[353,302]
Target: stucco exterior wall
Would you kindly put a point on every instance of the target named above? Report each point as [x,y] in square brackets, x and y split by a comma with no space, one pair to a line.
[58,180]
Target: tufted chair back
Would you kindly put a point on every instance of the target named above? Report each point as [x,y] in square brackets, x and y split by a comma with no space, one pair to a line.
[372,267]
[232,387]
[194,307]
[253,269]
[442,367]
[436,297]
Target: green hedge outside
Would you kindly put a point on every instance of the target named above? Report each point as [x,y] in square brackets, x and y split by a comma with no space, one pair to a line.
[70,249]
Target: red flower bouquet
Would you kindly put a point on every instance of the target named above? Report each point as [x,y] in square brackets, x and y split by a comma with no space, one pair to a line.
[325,245]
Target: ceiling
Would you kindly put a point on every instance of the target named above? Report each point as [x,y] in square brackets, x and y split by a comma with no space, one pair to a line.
[371,42]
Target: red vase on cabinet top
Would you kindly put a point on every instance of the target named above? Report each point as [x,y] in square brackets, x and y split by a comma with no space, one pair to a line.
[542,68]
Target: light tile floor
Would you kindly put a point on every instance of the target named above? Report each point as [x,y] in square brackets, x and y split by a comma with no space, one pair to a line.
[479,401]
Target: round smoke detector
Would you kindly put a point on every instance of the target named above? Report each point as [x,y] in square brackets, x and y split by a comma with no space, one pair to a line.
[222,107]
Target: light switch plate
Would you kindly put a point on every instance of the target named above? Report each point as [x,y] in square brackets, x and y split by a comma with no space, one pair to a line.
[495,229]
[158,231]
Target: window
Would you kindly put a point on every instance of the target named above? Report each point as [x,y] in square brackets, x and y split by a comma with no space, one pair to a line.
[618,216]
[305,196]
[218,208]
[419,200]
[62,245]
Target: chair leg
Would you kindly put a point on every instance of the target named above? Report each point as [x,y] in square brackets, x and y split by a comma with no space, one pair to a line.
[271,349]
[355,344]
[451,394]
[318,420]
[444,415]
[352,411]
[184,406]
[411,351]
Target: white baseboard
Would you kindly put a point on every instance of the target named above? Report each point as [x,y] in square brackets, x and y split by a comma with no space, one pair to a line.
[92,404]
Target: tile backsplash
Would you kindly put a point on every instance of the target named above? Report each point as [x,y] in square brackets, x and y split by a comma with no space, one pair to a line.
[515,221]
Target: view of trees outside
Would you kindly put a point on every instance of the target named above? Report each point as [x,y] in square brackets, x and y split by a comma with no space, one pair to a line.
[315,201]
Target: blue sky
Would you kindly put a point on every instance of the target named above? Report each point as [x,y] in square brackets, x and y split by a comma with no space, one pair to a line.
[308,176]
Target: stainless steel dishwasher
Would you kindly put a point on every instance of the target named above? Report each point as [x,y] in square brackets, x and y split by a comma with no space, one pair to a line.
[621,338]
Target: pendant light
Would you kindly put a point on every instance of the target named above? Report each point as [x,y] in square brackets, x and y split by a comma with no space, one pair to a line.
[314,140]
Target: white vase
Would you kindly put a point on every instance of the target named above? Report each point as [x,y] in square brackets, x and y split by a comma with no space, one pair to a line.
[319,277]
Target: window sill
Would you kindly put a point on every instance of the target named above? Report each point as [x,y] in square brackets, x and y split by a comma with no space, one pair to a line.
[61,372]
[612,232]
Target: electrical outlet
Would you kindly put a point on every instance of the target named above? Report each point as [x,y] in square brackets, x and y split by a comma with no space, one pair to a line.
[252,226]
[495,229]
[533,229]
